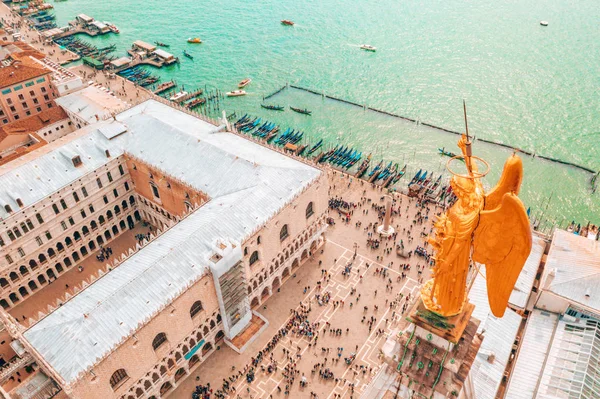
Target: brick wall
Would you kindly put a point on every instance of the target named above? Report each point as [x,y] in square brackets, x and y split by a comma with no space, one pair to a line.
[172,194]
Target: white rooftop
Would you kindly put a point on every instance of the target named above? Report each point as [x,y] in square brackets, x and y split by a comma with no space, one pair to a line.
[571,366]
[535,346]
[247,184]
[85,17]
[499,336]
[119,62]
[163,54]
[99,25]
[576,261]
[522,289]
[42,172]
[91,103]
[143,45]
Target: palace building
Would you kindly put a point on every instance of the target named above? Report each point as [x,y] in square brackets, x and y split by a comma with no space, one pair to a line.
[205,224]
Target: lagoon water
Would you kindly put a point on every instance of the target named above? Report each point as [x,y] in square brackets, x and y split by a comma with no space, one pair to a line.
[532,87]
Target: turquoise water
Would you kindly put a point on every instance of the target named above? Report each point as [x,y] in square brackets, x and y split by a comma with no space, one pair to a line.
[533,87]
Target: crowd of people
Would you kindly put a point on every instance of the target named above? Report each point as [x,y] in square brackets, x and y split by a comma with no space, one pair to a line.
[105,253]
[301,336]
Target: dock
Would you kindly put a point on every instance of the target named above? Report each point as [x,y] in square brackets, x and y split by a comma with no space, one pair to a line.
[189,96]
[161,88]
[320,157]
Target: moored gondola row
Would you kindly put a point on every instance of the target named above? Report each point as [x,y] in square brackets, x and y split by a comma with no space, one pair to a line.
[340,157]
[139,75]
[86,49]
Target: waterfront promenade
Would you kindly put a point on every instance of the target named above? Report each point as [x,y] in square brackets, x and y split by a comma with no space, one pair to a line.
[33,37]
[295,352]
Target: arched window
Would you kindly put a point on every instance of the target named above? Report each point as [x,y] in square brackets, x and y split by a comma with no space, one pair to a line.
[309,210]
[246,251]
[118,378]
[196,308]
[154,190]
[283,234]
[160,339]
[7,208]
[258,240]
[253,258]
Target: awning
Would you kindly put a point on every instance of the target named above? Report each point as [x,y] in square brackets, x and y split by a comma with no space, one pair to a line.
[189,355]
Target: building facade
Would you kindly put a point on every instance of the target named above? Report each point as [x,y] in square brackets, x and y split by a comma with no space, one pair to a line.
[25,90]
[230,222]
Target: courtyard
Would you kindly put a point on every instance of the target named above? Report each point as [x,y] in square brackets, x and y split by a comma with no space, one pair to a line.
[69,279]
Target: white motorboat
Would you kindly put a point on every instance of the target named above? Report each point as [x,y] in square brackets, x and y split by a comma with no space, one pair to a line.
[244,83]
[368,47]
[544,23]
[178,96]
[236,93]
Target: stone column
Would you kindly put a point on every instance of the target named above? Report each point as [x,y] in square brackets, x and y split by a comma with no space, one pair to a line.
[386,229]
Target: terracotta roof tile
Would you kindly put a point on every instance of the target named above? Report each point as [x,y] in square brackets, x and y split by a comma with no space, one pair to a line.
[33,123]
[19,72]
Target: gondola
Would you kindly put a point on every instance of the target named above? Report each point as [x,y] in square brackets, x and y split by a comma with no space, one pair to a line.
[195,103]
[315,147]
[273,107]
[161,44]
[301,111]
[188,55]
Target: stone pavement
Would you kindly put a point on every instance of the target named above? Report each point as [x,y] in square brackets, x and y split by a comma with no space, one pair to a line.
[125,89]
[372,289]
[33,37]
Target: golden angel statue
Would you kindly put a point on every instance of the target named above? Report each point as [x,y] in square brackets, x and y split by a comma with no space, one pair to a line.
[491,229]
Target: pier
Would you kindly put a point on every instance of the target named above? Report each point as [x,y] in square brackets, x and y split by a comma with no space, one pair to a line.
[188,96]
[161,88]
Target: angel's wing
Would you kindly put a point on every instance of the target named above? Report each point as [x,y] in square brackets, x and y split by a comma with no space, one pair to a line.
[510,182]
[502,241]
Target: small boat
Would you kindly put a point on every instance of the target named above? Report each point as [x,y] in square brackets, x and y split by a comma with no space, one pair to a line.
[443,152]
[161,44]
[315,147]
[287,22]
[301,111]
[178,96]
[195,102]
[544,23]
[244,83]
[236,93]
[112,27]
[194,40]
[188,55]
[273,107]
[368,47]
